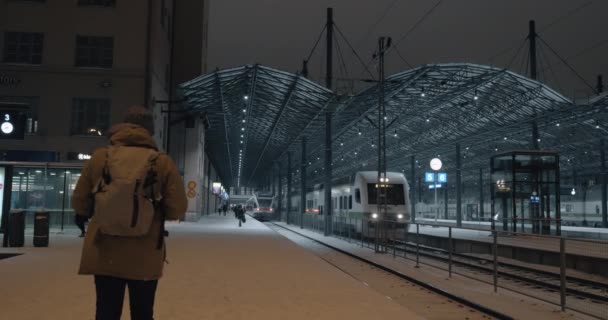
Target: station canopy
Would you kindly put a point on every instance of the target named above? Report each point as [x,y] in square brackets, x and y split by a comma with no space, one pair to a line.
[429,109]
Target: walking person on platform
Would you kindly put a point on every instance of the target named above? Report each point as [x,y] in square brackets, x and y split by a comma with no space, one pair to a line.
[80,222]
[240,214]
[130,189]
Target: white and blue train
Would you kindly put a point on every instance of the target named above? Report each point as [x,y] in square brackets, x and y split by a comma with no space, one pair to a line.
[354,199]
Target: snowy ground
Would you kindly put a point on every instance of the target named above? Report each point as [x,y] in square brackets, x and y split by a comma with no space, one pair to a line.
[217,271]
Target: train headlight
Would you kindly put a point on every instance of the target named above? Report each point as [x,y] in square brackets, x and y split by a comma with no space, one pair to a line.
[400,216]
[374,216]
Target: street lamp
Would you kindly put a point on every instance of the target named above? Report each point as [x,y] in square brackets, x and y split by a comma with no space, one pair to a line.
[436,165]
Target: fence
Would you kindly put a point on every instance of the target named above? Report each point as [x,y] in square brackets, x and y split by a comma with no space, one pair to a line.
[540,266]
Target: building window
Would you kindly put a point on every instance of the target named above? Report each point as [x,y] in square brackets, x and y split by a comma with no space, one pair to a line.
[94,51]
[90,116]
[31,125]
[99,3]
[23,47]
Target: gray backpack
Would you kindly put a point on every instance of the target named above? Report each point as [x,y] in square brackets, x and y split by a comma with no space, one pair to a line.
[127,194]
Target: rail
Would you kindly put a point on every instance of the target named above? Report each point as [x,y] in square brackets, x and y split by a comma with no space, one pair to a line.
[558,284]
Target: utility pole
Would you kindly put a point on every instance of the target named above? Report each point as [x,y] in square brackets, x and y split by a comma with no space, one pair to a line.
[381,189]
[533,70]
[328,152]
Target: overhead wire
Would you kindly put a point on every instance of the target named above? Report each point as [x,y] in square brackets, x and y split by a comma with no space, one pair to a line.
[545,57]
[371,29]
[544,28]
[411,30]
[354,51]
[403,59]
[567,64]
[316,43]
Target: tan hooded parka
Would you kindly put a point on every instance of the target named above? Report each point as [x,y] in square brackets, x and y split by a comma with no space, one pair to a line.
[128,258]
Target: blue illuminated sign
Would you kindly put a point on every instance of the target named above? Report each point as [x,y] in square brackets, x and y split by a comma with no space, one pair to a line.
[429,177]
[435,186]
[442,177]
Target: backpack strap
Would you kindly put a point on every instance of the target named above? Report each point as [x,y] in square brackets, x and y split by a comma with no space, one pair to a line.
[156,199]
[105,174]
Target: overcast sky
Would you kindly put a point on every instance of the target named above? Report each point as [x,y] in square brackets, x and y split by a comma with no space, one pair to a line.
[281,33]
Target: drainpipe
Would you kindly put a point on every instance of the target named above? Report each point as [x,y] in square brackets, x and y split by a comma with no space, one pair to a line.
[148,43]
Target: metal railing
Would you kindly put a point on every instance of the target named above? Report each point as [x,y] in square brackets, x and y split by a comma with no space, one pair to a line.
[490,256]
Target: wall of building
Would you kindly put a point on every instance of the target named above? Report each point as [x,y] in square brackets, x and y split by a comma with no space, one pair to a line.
[56,81]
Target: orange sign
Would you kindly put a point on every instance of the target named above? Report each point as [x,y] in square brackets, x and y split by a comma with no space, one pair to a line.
[191,189]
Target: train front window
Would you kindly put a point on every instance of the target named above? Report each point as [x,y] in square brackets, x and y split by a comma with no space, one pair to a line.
[265,203]
[395,194]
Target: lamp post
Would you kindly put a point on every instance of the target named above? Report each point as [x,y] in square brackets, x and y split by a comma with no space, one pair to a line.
[436,165]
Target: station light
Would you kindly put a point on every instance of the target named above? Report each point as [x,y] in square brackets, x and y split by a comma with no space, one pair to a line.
[475,98]
[246,97]
[385,118]
[557,124]
[538,139]
[244,110]
[242,129]
[395,134]
[428,120]
[341,144]
[505,138]
[374,216]
[244,121]
[400,216]
[423,94]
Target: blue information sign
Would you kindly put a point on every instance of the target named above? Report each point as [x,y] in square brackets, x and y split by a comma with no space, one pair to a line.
[429,177]
[442,177]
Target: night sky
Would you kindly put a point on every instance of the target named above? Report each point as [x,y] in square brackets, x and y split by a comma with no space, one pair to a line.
[281,33]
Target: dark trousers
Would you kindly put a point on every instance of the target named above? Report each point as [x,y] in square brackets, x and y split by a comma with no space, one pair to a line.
[80,221]
[111,294]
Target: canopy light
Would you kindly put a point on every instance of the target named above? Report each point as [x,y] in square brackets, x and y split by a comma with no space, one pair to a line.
[436,164]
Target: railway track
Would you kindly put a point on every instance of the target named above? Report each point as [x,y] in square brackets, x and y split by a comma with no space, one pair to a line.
[595,292]
[463,301]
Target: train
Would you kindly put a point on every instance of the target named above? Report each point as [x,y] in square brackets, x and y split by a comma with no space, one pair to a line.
[261,207]
[354,202]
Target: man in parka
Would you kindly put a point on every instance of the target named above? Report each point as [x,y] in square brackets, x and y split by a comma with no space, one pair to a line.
[137,262]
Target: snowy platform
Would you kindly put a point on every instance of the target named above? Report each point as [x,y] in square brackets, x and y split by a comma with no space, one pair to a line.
[216,271]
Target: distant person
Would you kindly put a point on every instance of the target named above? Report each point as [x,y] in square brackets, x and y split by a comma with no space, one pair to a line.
[131,252]
[80,222]
[240,214]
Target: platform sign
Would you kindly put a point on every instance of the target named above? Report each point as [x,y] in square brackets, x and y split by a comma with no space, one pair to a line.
[435,186]
[442,177]
[12,124]
[429,177]
[2,182]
